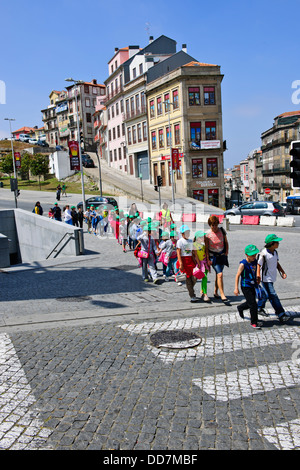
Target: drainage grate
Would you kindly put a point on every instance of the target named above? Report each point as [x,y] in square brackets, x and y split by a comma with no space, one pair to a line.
[76,298]
[174,339]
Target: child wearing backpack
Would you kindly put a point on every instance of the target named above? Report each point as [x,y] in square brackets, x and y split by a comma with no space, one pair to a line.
[247,271]
[268,264]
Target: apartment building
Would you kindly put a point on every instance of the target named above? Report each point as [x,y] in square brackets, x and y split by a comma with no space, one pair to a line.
[100,126]
[126,104]
[185,112]
[86,94]
[275,147]
[50,119]
[60,117]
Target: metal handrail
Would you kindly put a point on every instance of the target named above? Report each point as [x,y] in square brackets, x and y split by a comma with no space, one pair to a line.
[67,233]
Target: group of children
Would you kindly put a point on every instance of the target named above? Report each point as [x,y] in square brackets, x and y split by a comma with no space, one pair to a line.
[184,258]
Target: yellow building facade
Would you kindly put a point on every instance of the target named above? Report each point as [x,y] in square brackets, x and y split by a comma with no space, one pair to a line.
[185,113]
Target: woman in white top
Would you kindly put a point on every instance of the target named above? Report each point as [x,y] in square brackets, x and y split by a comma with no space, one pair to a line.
[68,216]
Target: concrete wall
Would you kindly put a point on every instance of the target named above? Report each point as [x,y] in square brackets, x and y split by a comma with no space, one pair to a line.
[34,236]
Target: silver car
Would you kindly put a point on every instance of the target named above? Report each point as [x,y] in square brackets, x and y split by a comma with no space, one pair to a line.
[258,208]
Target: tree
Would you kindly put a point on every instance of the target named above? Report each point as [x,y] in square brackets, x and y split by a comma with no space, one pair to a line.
[6,165]
[25,165]
[39,166]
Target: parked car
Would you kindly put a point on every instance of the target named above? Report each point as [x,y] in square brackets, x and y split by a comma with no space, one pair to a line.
[24,137]
[42,143]
[87,162]
[267,208]
[98,202]
[33,141]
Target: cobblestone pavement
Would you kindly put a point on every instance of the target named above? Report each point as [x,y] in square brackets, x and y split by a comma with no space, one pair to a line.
[79,367]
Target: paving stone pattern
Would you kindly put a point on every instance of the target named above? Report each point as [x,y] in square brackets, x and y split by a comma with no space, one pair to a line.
[106,385]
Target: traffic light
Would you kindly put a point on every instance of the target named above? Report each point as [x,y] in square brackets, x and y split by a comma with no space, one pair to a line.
[295,164]
[159,180]
[155,188]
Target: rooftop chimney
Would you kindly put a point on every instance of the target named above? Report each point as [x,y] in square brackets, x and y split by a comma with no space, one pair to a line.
[116,49]
[150,39]
[184,48]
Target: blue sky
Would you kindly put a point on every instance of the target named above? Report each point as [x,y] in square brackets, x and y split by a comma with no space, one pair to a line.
[255,43]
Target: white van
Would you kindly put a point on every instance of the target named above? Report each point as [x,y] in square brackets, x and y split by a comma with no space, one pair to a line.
[24,137]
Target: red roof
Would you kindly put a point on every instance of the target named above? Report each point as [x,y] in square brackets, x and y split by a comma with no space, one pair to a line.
[24,130]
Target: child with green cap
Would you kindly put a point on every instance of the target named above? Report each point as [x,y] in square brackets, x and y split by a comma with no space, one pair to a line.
[268,264]
[247,271]
[199,245]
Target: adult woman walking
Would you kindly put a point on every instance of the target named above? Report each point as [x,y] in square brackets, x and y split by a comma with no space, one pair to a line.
[216,247]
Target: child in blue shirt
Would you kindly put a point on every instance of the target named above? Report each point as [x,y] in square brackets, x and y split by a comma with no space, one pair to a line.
[247,271]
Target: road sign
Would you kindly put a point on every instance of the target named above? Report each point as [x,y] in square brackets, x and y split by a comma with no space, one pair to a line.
[267,190]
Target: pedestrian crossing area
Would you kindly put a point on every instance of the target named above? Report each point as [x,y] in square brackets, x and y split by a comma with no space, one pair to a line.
[242,382]
[20,426]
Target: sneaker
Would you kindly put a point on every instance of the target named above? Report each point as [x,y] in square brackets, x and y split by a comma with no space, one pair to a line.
[256,326]
[155,281]
[261,311]
[146,280]
[193,299]
[241,314]
[166,279]
[179,283]
[283,318]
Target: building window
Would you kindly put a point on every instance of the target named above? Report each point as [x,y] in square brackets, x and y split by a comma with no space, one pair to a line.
[213,197]
[139,132]
[120,153]
[145,136]
[175,99]
[123,128]
[88,117]
[115,155]
[212,167]
[167,102]
[137,102]
[87,102]
[143,101]
[118,131]
[168,136]
[112,111]
[197,168]
[122,106]
[134,134]
[209,95]
[129,135]
[132,106]
[195,132]
[210,130]
[159,106]
[199,194]
[177,134]
[110,155]
[109,135]
[117,109]
[153,140]
[114,133]
[141,68]
[161,138]
[127,107]
[152,111]
[194,96]
[86,89]
[134,72]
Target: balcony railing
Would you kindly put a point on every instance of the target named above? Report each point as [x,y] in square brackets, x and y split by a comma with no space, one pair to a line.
[135,113]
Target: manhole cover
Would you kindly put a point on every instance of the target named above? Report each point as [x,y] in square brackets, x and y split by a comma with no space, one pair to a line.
[175,339]
[76,298]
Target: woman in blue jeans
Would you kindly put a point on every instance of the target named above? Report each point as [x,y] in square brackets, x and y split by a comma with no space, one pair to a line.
[268,264]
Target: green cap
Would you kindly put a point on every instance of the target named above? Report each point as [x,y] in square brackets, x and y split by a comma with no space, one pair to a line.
[272,238]
[251,250]
[199,234]
[165,234]
[173,233]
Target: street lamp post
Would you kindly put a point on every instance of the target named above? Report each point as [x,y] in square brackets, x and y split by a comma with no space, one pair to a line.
[12,146]
[13,157]
[78,82]
[170,145]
